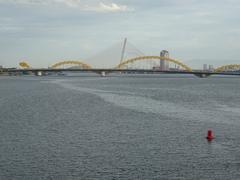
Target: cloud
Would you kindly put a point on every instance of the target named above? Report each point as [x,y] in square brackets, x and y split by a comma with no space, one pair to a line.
[80,4]
[113,7]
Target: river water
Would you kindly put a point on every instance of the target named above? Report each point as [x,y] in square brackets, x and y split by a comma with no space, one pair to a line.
[119,127]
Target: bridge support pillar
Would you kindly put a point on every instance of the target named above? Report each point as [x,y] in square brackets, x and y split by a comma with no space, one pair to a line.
[38,73]
[103,73]
[202,75]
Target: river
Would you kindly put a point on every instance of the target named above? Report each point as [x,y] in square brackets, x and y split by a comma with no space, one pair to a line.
[119,127]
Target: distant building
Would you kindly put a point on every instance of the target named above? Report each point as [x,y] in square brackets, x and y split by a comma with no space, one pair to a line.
[205,67]
[164,65]
[211,68]
[1,69]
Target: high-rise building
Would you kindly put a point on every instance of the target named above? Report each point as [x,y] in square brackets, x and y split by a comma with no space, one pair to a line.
[164,65]
[205,67]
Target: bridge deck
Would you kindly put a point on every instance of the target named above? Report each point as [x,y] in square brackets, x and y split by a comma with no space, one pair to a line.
[149,71]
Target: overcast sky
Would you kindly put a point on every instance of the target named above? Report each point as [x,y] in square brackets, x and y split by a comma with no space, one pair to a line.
[45,31]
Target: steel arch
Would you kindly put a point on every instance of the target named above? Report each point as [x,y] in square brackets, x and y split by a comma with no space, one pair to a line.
[225,67]
[139,58]
[80,63]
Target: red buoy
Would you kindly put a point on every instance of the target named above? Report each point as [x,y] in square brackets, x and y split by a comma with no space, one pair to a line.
[210,135]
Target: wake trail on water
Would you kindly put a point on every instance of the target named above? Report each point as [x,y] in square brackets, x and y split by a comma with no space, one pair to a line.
[132,101]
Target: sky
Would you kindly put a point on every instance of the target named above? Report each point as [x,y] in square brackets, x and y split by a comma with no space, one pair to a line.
[43,32]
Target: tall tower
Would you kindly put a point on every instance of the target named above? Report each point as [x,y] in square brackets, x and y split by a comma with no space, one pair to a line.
[164,65]
[123,50]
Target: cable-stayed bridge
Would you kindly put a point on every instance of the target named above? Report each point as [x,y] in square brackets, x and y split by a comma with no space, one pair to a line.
[114,54]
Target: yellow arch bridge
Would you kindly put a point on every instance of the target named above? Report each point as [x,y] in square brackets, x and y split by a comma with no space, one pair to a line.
[81,64]
[78,63]
[84,65]
[141,58]
[230,69]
